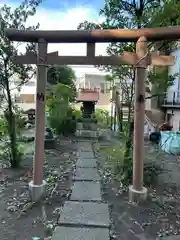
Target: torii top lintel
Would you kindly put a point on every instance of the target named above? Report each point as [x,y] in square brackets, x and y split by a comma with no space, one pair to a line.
[93,36]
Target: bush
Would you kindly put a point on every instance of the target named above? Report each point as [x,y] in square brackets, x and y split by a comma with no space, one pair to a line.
[102,117]
[5,153]
[123,167]
[3,127]
[65,125]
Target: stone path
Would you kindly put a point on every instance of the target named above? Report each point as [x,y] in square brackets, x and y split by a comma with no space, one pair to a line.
[84,216]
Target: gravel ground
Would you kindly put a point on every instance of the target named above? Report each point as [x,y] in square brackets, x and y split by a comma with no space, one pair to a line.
[156,218]
[19,218]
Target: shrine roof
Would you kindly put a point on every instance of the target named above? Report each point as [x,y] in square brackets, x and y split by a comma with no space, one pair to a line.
[88,96]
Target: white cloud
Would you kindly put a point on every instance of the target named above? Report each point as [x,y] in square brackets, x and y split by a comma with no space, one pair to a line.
[68,20]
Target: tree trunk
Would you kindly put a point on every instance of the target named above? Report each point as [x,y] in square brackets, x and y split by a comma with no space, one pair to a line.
[121,117]
[118,106]
[115,116]
[111,123]
[11,129]
[129,137]
[129,134]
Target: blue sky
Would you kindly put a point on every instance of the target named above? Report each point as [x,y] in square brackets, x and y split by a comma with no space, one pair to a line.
[63,5]
[66,15]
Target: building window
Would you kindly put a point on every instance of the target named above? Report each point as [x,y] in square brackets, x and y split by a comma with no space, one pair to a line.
[30,84]
[102,87]
[25,98]
[107,87]
[168,117]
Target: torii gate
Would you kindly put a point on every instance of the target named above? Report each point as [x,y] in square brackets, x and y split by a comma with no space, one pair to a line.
[139,60]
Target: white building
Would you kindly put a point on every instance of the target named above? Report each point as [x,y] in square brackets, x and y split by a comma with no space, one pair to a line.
[171,102]
[92,81]
[25,98]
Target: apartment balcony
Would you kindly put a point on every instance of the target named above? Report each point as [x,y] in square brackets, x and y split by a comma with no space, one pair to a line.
[171,100]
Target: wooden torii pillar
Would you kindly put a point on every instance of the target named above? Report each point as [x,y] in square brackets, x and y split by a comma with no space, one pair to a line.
[139,60]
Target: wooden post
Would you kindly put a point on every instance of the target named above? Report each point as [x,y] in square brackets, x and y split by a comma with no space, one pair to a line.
[137,190]
[40,113]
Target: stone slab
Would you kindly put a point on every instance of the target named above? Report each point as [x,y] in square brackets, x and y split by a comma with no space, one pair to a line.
[83,154]
[85,214]
[86,174]
[86,163]
[86,133]
[86,191]
[172,238]
[85,149]
[84,145]
[68,233]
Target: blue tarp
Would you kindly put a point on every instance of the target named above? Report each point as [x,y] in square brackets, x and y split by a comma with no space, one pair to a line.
[170,142]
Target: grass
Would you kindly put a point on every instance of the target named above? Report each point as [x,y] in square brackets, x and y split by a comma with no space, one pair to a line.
[115,155]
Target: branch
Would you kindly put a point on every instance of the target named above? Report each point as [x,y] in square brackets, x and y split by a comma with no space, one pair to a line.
[154,95]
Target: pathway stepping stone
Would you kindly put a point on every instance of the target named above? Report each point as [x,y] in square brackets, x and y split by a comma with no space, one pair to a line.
[86,174]
[85,214]
[68,233]
[86,163]
[87,191]
[84,155]
[85,149]
[84,144]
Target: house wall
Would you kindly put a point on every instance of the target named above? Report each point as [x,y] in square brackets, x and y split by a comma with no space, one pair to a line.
[175,113]
[175,119]
[26,97]
[97,81]
[172,70]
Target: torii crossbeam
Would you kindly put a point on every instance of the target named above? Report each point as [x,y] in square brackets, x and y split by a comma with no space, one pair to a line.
[140,60]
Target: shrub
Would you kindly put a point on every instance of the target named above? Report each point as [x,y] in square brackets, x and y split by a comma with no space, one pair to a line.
[102,117]
[5,153]
[64,125]
[123,167]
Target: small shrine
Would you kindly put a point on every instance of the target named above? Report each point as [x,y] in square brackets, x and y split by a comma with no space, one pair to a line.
[88,97]
[31,114]
[87,126]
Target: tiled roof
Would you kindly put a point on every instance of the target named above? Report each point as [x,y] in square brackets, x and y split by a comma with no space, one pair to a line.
[91,96]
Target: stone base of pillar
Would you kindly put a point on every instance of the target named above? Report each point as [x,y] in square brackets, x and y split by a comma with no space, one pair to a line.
[136,196]
[37,191]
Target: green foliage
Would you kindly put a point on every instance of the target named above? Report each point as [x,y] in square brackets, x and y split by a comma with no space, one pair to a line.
[166,15]
[60,112]
[123,168]
[134,14]
[77,114]
[3,126]
[102,117]
[62,74]
[9,71]
[160,81]
[126,14]
[19,119]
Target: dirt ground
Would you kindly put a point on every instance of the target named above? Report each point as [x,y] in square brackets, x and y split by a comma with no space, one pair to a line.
[156,218]
[19,218]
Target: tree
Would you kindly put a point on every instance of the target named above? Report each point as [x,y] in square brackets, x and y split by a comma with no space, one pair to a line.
[131,14]
[60,110]
[135,14]
[62,74]
[9,71]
